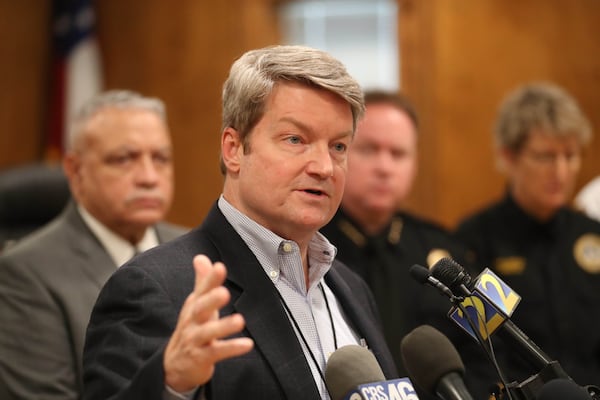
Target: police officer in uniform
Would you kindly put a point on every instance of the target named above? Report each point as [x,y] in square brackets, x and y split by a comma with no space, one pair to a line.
[545,251]
[372,236]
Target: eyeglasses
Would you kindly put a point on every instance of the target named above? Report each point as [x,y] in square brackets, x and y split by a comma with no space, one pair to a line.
[551,158]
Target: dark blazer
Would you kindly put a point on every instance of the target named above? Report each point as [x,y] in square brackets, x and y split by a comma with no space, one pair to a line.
[137,310]
[49,282]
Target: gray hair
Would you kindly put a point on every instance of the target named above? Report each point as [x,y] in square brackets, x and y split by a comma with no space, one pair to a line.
[542,106]
[253,76]
[122,99]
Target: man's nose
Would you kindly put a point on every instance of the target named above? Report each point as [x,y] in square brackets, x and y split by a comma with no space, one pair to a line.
[321,162]
[147,171]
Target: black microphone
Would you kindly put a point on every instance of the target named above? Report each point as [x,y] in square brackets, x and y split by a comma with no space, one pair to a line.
[496,313]
[422,275]
[486,310]
[453,275]
[353,373]
[562,389]
[434,364]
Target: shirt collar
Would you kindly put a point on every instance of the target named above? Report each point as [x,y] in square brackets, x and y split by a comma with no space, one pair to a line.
[119,249]
[270,249]
[528,224]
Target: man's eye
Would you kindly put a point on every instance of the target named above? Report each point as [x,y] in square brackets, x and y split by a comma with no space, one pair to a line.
[121,159]
[340,147]
[294,139]
[400,154]
[162,158]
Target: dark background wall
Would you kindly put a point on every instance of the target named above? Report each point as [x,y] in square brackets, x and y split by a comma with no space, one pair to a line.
[458,59]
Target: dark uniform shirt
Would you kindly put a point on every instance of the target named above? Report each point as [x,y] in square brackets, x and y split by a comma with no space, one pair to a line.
[384,260]
[555,268]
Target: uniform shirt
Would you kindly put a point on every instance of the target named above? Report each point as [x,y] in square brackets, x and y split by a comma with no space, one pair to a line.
[555,268]
[383,260]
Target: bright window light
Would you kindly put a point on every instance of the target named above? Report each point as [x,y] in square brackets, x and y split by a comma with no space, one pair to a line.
[362,34]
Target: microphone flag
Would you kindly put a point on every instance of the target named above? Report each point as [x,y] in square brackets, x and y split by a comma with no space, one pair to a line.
[491,303]
[395,389]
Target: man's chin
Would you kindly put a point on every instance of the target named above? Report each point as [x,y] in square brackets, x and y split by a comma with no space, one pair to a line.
[382,207]
[146,217]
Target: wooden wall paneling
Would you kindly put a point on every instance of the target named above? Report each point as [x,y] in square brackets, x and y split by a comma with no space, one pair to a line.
[458,59]
[24,50]
[418,65]
[182,52]
[480,50]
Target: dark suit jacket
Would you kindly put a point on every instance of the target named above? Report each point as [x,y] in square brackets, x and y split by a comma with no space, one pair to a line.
[137,311]
[49,282]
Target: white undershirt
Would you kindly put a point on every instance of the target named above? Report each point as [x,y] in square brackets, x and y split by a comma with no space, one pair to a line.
[119,249]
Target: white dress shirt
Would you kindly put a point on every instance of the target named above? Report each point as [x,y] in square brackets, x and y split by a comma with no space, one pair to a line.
[119,249]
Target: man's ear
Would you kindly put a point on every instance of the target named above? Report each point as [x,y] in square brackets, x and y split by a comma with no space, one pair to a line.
[231,149]
[506,159]
[71,165]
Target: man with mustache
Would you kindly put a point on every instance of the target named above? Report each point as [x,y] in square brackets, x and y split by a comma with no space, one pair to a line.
[120,172]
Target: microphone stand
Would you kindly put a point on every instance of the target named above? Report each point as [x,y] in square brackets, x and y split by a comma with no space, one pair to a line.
[527,389]
[548,369]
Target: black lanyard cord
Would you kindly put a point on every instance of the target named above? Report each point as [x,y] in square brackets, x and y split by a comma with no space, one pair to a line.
[312,355]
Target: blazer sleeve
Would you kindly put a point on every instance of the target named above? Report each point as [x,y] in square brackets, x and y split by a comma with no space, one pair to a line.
[35,356]
[133,317]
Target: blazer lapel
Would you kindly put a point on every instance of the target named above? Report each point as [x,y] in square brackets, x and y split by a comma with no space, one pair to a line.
[255,298]
[86,249]
[362,318]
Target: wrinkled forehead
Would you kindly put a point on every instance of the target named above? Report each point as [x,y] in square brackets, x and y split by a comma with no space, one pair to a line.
[118,127]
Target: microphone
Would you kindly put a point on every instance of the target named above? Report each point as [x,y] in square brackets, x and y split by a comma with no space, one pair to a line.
[490,302]
[353,373]
[434,364]
[454,275]
[561,389]
[423,276]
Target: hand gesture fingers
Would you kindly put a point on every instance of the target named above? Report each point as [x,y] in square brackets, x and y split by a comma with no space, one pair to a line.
[197,342]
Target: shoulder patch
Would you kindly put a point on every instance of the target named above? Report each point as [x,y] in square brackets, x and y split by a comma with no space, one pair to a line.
[587,252]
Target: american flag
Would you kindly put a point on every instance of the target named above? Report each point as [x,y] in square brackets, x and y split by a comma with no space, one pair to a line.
[76,67]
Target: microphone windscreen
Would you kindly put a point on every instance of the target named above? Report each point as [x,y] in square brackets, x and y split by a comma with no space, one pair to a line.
[450,273]
[348,367]
[562,389]
[429,356]
[419,273]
